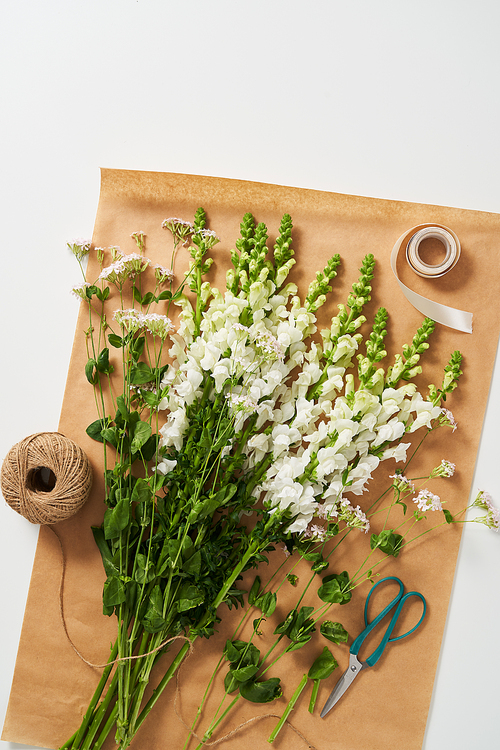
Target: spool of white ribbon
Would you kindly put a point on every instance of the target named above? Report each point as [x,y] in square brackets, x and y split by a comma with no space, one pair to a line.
[448,316]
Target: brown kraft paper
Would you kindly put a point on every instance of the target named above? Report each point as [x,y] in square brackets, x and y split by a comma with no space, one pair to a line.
[388,705]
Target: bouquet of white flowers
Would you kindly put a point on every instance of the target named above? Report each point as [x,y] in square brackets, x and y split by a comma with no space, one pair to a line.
[240,430]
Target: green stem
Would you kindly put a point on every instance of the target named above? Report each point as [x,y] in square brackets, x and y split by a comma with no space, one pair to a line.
[291,705]
[162,685]
[89,714]
[99,716]
[314,695]
[214,726]
[107,729]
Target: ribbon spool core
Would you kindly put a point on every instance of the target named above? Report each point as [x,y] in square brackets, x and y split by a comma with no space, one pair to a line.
[451,245]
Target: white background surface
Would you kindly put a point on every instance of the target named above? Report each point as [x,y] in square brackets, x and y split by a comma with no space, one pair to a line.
[390,99]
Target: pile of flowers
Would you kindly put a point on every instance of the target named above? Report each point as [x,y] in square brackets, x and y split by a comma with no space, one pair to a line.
[239,429]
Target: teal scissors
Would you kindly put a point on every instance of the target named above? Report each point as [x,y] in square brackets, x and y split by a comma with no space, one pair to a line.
[355,666]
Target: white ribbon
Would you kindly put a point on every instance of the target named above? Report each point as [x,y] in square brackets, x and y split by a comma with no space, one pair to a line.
[448,316]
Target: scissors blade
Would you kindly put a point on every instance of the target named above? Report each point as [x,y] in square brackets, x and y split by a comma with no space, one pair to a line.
[355,667]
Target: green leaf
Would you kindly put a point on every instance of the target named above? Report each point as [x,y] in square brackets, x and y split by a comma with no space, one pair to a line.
[231,652]
[90,372]
[95,429]
[113,592]
[254,591]
[145,570]
[334,631]
[208,505]
[261,692]
[102,363]
[148,298]
[150,398]
[150,446]
[131,593]
[192,566]
[266,603]
[153,619]
[282,628]
[230,683]
[109,435]
[323,666]
[137,347]
[116,519]
[299,642]
[173,550]
[241,653]
[313,556]
[137,294]
[164,295]
[141,373]
[319,566]
[301,623]
[142,433]
[142,492]
[110,567]
[335,589]
[447,515]
[190,596]
[115,340]
[244,673]
[387,541]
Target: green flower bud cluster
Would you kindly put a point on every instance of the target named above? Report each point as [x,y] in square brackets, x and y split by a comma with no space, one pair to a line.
[405,367]
[361,289]
[283,250]
[249,260]
[319,288]
[374,349]
[452,374]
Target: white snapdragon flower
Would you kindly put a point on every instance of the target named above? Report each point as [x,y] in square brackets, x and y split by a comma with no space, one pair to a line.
[174,428]
[306,413]
[366,403]
[265,413]
[345,437]
[166,465]
[345,348]
[362,473]
[299,525]
[289,467]
[188,387]
[333,492]
[221,373]
[259,293]
[287,334]
[259,446]
[388,432]
[330,460]
[426,412]
[334,382]
[341,409]
[398,452]
[210,357]
[283,437]
[319,437]
[369,421]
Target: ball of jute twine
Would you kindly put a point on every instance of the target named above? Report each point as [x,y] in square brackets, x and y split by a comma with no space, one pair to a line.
[46,478]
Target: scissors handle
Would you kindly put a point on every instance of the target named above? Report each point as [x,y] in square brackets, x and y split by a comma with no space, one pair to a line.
[398,602]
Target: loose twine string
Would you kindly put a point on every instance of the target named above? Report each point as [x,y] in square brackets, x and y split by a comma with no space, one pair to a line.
[29,494]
